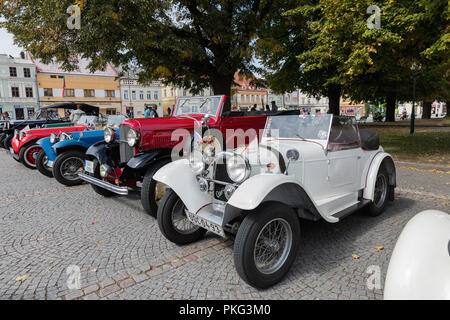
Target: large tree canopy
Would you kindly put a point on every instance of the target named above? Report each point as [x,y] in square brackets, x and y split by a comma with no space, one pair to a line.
[192,44]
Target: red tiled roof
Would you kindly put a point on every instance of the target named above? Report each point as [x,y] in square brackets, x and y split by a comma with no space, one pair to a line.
[242,83]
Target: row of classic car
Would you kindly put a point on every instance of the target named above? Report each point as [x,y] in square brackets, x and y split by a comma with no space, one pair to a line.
[253,176]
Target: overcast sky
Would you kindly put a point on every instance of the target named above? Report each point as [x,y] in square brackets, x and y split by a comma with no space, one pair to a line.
[6,44]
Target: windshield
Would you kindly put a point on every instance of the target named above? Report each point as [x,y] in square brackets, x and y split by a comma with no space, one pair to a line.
[115,121]
[46,114]
[309,127]
[198,105]
[88,120]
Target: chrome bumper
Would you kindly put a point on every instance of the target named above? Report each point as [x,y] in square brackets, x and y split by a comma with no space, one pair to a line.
[123,191]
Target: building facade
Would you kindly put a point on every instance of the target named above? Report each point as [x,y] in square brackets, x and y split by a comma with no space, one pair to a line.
[18,87]
[300,100]
[170,94]
[246,95]
[100,89]
[135,96]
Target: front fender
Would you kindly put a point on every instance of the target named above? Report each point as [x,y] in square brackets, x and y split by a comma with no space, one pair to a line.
[179,177]
[140,161]
[275,187]
[47,146]
[381,157]
[102,151]
[70,143]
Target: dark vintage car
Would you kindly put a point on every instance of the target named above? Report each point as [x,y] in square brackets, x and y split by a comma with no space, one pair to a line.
[46,117]
[146,145]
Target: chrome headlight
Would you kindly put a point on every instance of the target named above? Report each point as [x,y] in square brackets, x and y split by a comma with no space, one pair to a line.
[66,136]
[238,168]
[110,135]
[196,162]
[53,138]
[104,169]
[132,137]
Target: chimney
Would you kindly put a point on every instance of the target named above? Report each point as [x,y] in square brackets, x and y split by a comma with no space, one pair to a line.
[22,55]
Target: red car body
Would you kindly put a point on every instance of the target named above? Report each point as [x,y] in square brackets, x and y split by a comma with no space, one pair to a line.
[125,165]
[26,140]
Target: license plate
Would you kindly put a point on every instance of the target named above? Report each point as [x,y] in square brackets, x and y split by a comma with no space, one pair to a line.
[11,150]
[89,166]
[205,224]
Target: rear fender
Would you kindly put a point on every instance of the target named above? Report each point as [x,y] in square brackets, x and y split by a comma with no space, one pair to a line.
[179,177]
[380,159]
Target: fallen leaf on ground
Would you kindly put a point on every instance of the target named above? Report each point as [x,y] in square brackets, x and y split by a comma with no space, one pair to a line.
[379,248]
[40,239]
[22,278]
[94,270]
[100,242]
[355,256]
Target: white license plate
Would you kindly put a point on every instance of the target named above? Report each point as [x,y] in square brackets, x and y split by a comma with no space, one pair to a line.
[205,224]
[11,150]
[89,166]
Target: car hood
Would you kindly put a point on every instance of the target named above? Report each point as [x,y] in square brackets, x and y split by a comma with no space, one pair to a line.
[172,123]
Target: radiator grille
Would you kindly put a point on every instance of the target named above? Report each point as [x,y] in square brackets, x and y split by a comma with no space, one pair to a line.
[126,152]
[221,174]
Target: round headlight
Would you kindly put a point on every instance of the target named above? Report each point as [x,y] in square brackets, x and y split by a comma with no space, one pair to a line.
[203,184]
[196,162]
[103,171]
[132,137]
[53,138]
[238,169]
[110,135]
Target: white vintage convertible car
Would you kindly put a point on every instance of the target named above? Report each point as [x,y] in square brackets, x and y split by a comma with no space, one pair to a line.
[305,167]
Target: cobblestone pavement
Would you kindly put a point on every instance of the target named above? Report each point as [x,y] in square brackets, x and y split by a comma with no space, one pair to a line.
[45,228]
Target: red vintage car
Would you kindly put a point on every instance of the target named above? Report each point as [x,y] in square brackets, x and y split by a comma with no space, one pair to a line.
[117,165]
[24,147]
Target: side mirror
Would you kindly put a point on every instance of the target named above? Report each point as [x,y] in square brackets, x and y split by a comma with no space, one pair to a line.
[293,155]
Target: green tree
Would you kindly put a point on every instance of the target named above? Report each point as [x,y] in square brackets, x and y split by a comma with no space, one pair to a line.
[192,44]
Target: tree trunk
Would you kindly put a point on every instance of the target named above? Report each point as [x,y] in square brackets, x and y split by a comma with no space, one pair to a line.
[390,108]
[426,112]
[222,85]
[334,98]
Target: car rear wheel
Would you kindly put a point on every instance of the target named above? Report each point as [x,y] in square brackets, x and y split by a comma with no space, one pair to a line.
[173,221]
[152,191]
[266,245]
[66,167]
[28,155]
[381,194]
[41,161]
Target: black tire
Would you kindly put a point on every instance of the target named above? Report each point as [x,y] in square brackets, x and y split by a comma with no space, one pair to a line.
[246,239]
[61,162]
[98,190]
[40,164]
[2,139]
[375,208]
[169,202]
[148,198]
[24,154]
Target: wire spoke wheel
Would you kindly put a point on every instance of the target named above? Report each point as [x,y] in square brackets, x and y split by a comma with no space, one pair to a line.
[380,190]
[69,168]
[180,220]
[273,246]
[31,155]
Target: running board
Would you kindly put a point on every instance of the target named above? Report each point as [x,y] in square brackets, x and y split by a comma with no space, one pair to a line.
[351,209]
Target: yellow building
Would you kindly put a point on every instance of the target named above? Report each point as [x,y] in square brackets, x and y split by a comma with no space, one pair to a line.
[100,89]
[171,93]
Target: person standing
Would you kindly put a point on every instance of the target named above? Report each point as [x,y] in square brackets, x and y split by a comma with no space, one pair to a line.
[77,114]
[147,112]
[155,111]
[274,106]
[169,111]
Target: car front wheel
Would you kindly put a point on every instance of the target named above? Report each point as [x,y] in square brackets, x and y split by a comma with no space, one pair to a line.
[66,167]
[41,161]
[266,245]
[152,191]
[28,155]
[173,221]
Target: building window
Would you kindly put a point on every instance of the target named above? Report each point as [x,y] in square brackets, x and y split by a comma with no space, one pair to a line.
[53,76]
[29,92]
[89,93]
[141,94]
[26,72]
[15,92]
[13,71]
[125,95]
[171,92]
[165,93]
[155,95]
[69,92]
[48,92]
[184,93]
[60,77]
[149,95]
[133,95]
[110,93]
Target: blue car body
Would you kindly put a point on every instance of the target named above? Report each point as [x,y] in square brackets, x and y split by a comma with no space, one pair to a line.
[81,140]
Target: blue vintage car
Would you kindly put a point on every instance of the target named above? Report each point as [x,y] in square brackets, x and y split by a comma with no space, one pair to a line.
[64,154]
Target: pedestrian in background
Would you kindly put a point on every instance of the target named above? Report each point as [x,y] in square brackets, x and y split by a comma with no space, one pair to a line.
[147,113]
[267,107]
[155,111]
[274,106]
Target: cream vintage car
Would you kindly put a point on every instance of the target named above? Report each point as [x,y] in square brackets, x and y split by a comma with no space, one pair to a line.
[304,167]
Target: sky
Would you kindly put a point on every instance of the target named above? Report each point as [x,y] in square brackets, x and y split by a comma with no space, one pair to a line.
[6,44]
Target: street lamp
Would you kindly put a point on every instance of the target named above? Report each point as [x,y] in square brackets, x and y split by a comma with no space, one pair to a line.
[415,68]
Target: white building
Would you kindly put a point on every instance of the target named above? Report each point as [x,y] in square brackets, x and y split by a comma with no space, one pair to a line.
[136,96]
[298,99]
[18,87]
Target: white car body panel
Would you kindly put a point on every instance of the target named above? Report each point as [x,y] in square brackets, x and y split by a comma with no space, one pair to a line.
[180,178]
[420,263]
[374,166]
